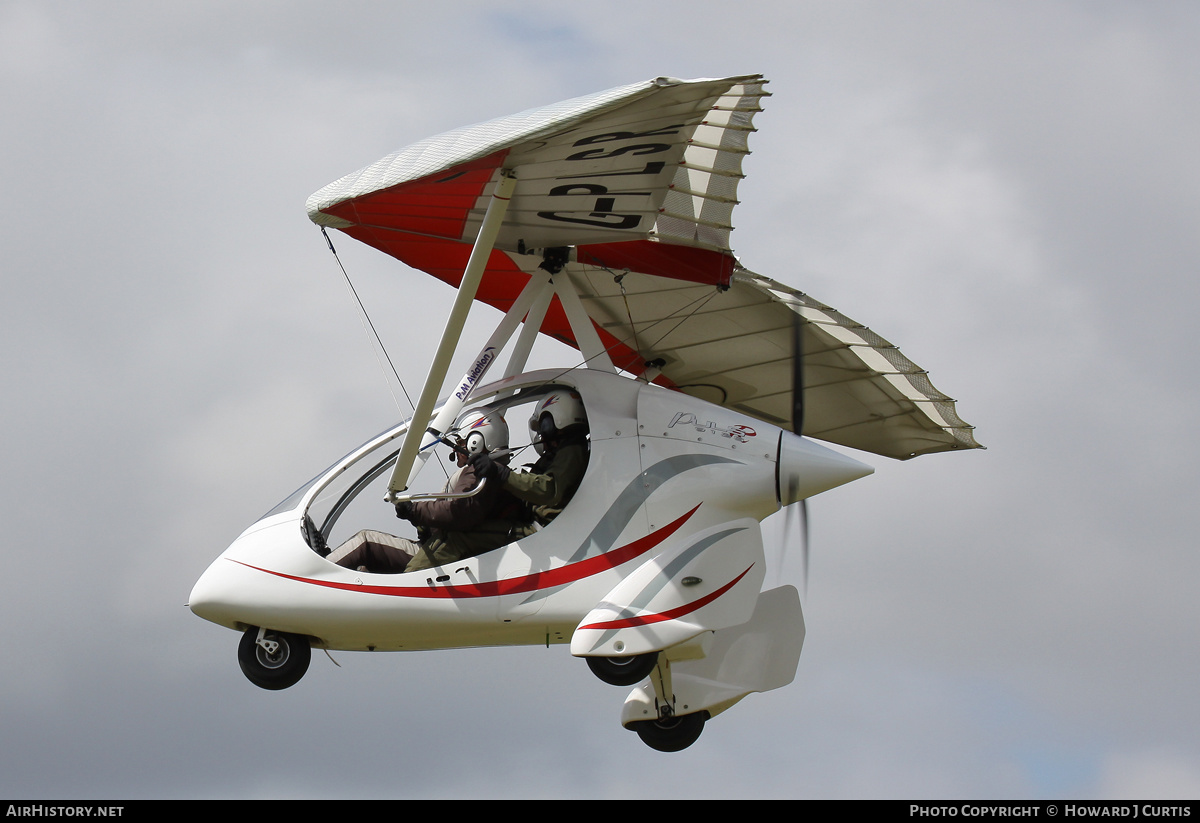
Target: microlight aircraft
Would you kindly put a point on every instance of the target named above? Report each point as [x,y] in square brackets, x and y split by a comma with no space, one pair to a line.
[602,222]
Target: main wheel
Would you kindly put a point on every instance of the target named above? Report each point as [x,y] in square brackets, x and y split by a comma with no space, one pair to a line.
[623,671]
[671,734]
[278,667]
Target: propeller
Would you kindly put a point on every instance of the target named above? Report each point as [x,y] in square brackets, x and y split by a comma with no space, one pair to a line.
[795,529]
[795,524]
[798,427]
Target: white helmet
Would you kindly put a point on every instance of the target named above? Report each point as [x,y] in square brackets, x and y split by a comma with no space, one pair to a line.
[483,432]
[562,409]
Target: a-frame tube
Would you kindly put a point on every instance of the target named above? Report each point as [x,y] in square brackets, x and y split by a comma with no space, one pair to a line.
[474,375]
[595,356]
[482,250]
[530,329]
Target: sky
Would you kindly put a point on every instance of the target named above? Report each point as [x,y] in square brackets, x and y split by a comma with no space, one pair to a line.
[1009,192]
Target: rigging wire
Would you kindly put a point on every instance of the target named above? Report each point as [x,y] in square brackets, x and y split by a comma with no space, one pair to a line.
[369,327]
[691,310]
[681,315]
[619,279]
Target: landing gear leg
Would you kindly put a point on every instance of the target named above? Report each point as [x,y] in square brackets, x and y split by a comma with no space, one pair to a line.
[670,732]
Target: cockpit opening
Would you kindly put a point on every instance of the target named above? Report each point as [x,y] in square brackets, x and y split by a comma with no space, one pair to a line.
[487,500]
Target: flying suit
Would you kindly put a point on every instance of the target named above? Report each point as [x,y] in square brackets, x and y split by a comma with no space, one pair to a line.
[551,482]
[453,529]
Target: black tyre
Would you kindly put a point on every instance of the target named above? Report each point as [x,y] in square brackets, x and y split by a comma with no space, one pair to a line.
[671,734]
[623,671]
[277,669]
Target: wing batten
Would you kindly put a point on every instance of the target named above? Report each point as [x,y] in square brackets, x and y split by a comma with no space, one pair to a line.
[641,182]
[638,135]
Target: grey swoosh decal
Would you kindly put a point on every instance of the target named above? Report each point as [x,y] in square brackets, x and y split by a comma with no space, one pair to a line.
[604,535]
[660,580]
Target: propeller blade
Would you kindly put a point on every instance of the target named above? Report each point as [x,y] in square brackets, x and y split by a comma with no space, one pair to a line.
[795,523]
[798,428]
[795,530]
[776,554]
[797,373]
[803,515]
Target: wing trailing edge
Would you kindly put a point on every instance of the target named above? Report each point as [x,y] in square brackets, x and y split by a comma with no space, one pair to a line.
[640,182]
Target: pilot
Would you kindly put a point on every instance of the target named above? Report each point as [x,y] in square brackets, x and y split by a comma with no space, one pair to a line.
[448,529]
[559,428]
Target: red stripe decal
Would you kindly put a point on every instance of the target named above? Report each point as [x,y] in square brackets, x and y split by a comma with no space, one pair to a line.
[670,614]
[495,588]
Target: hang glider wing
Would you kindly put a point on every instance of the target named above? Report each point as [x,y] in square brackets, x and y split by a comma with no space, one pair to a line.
[641,182]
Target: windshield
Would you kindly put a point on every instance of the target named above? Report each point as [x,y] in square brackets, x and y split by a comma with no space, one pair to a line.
[369,469]
[353,498]
[292,500]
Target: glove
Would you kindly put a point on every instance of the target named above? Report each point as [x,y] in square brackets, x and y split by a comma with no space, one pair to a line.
[485,466]
[404,509]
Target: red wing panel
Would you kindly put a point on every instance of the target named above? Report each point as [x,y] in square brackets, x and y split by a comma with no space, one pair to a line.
[502,283]
[642,180]
[437,205]
[662,259]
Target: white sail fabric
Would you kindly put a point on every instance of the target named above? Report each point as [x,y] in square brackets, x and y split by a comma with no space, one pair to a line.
[734,347]
[640,181]
[655,159]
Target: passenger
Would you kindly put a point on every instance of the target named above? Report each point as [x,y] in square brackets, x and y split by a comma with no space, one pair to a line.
[448,529]
[559,428]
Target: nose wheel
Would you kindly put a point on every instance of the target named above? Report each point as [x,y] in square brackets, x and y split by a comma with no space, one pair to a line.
[273,660]
[623,671]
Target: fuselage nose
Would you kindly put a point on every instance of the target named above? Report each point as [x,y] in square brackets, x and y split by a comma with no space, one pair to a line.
[806,468]
[211,597]
[238,588]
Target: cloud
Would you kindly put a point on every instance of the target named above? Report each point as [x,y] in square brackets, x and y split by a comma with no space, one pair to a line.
[1008,194]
